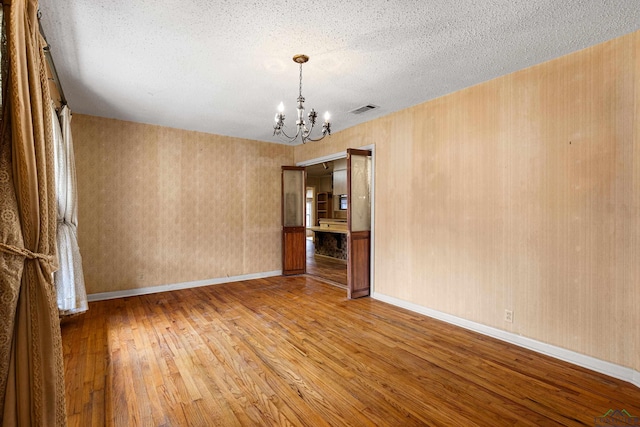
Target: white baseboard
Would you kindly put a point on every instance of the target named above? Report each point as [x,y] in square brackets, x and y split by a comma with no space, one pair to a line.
[604,367]
[175,286]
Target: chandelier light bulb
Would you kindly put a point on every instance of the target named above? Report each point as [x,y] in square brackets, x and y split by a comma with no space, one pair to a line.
[327,116]
[281,107]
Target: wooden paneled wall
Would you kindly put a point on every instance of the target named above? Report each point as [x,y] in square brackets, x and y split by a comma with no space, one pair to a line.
[164,206]
[520,193]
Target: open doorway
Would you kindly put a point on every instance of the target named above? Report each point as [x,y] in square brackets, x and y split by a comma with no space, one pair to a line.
[326,246]
[357,231]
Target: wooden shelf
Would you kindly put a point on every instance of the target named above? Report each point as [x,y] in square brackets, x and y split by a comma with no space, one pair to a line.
[324,209]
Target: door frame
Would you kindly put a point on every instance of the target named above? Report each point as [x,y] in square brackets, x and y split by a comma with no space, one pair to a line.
[342,155]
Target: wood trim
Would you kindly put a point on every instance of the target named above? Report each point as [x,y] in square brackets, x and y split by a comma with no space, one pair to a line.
[359,265]
[358,152]
[294,239]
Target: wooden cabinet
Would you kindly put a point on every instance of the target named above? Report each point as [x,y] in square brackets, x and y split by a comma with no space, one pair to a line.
[340,182]
[324,206]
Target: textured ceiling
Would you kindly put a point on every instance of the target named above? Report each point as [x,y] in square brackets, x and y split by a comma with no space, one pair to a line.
[223,66]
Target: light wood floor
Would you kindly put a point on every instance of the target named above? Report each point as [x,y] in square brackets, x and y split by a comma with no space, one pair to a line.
[295,351]
[328,268]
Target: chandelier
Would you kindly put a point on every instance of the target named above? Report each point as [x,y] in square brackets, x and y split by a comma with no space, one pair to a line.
[301,125]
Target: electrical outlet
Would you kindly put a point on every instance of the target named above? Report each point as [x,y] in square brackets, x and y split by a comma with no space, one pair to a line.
[508,316]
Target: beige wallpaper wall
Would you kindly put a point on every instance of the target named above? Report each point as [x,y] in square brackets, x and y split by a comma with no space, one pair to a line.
[163,206]
[520,193]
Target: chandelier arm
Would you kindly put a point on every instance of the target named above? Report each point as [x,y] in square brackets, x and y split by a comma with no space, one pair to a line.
[311,128]
[290,138]
[326,130]
[314,140]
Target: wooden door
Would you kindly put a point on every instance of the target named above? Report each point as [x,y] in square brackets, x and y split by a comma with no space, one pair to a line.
[294,250]
[359,223]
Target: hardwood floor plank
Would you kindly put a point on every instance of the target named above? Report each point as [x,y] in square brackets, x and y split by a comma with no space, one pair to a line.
[251,377]
[306,344]
[328,268]
[295,352]
[304,378]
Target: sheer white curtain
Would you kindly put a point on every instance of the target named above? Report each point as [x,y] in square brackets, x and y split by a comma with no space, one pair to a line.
[72,296]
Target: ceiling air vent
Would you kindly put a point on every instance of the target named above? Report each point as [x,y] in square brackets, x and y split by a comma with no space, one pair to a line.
[364,109]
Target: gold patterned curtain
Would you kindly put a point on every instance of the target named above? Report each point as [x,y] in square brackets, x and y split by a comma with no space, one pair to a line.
[31,371]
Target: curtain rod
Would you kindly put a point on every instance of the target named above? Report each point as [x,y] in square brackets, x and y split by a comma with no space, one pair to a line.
[52,65]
